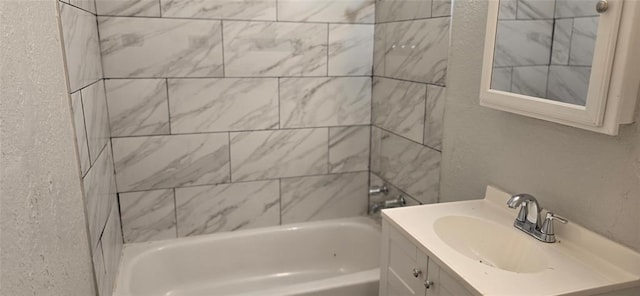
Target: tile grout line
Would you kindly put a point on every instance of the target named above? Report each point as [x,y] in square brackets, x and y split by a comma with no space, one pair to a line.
[250,181]
[224,74]
[403,137]
[79,8]
[279,105]
[406,80]
[424,119]
[243,131]
[164,17]
[229,148]
[86,135]
[247,77]
[328,32]
[280,200]
[175,209]
[166,84]
[328,150]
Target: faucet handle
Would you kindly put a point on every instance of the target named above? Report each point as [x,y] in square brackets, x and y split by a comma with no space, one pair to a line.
[547,226]
[552,216]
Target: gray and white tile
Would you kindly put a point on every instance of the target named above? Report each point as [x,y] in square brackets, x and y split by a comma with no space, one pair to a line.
[583,41]
[81,133]
[398,106]
[149,8]
[99,194]
[227,207]
[440,8]
[379,49]
[228,104]
[331,101]
[418,50]
[88,5]
[81,46]
[329,11]
[96,118]
[434,119]
[402,10]
[275,49]
[530,81]
[350,49]
[221,9]
[536,9]
[112,248]
[349,149]
[413,168]
[575,8]
[523,43]
[561,41]
[160,162]
[324,197]
[100,271]
[501,78]
[569,84]
[148,215]
[275,154]
[137,107]
[160,47]
[508,9]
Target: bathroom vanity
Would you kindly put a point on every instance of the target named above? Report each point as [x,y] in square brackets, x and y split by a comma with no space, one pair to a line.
[471,248]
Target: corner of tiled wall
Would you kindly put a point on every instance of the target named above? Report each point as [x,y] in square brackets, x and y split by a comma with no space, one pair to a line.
[230,114]
[410,65]
[233,116]
[91,121]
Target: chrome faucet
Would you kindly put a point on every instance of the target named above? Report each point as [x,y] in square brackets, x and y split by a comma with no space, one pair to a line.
[529,215]
[528,219]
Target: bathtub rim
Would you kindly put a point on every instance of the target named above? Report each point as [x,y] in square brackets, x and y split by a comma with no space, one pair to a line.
[133,252]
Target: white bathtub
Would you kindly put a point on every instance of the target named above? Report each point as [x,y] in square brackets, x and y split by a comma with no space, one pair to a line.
[332,258]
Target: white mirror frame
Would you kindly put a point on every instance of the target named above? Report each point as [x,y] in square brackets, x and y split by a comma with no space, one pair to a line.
[613,83]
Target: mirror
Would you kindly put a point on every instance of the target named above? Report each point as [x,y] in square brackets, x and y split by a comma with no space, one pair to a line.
[545,48]
[567,61]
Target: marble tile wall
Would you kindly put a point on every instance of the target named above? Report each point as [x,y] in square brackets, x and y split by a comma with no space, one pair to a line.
[532,33]
[91,121]
[411,46]
[230,114]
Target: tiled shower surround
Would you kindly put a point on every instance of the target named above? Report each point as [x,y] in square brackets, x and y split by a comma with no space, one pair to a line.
[91,121]
[410,66]
[235,114]
[229,114]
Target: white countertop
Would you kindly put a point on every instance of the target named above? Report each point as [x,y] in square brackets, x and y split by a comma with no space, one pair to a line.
[580,263]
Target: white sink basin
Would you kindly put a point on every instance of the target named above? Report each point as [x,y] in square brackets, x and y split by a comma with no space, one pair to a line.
[491,244]
[476,243]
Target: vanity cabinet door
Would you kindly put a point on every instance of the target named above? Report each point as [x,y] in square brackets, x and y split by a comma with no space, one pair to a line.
[406,271]
[442,283]
[403,268]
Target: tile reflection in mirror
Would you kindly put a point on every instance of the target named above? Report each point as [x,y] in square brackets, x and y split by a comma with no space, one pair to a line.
[545,48]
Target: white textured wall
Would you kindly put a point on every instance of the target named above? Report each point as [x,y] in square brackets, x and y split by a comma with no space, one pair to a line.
[43,240]
[592,179]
